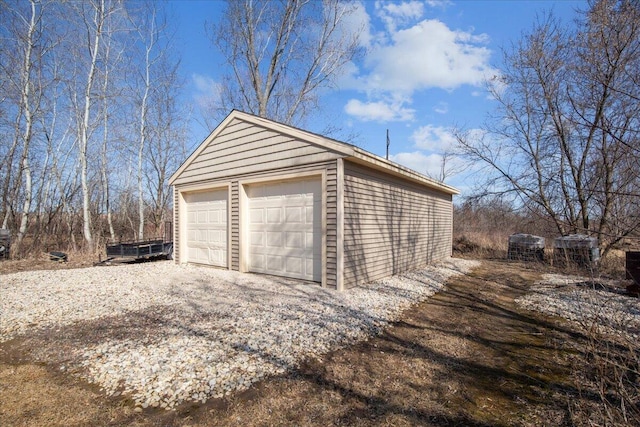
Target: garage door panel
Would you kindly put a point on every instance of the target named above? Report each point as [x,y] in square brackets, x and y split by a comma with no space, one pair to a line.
[207,227]
[257,263]
[274,215]
[274,239]
[256,216]
[309,214]
[310,242]
[256,238]
[217,256]
[294,265]
[294,240]
[285,229]
[275,264]
[294,214]
[218,237]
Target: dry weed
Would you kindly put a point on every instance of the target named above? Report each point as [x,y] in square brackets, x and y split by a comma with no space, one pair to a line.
[42,261]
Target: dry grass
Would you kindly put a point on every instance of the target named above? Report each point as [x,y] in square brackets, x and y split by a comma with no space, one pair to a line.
[477,245]
[42,261]
[492,246]
[468,356]
[613,265]
[45,398]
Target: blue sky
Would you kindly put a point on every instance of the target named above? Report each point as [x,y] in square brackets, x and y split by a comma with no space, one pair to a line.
[422,72]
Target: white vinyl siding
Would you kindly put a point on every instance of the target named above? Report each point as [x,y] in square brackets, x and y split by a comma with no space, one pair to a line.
[176,225]
[206,227]
[391,225]
[331,220]
[285,232]
[235,226]
[244,148]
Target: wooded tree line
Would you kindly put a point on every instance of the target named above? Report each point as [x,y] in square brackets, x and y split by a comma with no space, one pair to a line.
[564,142]
[90,123]
[91,127]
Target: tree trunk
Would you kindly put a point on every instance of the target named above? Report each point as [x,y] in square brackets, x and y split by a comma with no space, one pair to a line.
[28,118]
[84,126]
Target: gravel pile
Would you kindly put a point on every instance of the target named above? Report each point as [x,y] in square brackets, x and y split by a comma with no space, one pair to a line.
[170,334]
[584,302]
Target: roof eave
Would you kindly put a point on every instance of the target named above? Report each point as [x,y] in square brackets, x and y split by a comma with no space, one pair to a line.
[347,150]
[384,164]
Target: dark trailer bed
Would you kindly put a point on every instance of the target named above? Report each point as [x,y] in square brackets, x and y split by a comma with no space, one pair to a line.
[140,249]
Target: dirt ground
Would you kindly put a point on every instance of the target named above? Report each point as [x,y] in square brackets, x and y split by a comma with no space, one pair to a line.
[467,356]
[43,262]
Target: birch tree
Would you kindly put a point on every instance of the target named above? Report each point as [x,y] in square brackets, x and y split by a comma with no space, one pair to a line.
[27,108]
[166,147]
[71,107]
[112,109]
[94,15]
[106,139]
[148,34]
[26,79]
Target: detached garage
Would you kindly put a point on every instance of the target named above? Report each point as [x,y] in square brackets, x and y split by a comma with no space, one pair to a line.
[259,196]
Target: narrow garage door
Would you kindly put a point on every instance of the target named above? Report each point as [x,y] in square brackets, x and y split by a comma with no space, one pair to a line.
[285,231]
[207,227]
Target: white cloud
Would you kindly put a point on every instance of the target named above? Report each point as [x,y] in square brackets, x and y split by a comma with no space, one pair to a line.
[431,164]
[428,55]
[380,111]
[404,10]
[394,14]
[207,90]
[433,138]
[415,54]
[441,108]
[356,21]
[428,164]
[439,3]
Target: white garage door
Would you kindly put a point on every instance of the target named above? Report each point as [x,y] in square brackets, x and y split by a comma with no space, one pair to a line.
[207,227]
[285,231]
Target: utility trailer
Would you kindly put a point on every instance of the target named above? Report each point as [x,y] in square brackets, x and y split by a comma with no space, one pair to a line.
[141,250]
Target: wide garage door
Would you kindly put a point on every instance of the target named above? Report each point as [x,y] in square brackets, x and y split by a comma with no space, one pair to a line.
[285,231]
[207,227]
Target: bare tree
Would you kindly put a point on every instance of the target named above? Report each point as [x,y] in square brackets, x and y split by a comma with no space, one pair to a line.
[112,61]
[568,121]
[65,119]
[148,33]
[10,84]
[160,127]
[25,73]
[166,147]
[281,53]
[94,15]
[450,165]
[25,117]
[94,28]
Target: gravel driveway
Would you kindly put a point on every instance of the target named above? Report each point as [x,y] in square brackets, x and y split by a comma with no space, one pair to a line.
[581,300]
[164,334]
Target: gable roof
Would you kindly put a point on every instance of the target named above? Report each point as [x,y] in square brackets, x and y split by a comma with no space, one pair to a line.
[350,152]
